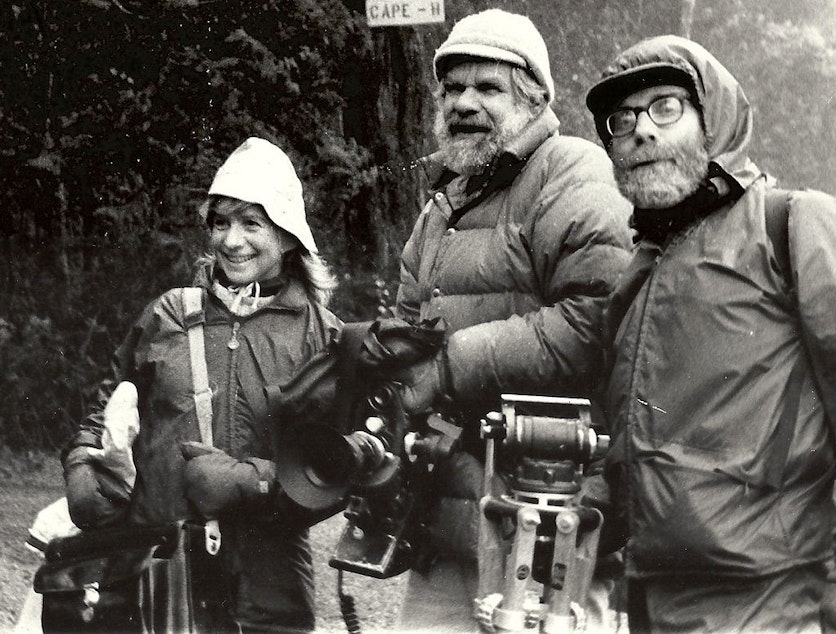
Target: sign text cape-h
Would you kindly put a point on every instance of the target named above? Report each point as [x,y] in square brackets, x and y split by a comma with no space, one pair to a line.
[404,12]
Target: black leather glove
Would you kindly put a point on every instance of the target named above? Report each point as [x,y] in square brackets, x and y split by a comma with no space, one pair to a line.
[424,384]
[216,482]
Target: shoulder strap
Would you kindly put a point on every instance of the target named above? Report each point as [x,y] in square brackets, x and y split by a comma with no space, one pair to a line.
[777,210]
[193,319]
[777,213]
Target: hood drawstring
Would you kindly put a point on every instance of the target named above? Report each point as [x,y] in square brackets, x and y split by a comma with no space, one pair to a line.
[252,289]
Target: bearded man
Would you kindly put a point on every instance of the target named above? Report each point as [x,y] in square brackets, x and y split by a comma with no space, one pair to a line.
[723,377]
[517,249]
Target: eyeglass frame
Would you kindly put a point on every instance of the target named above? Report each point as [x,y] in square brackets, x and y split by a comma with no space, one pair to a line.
[681,99]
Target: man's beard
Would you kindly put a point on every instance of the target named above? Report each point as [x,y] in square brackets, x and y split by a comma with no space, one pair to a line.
[666,183]
[468,155]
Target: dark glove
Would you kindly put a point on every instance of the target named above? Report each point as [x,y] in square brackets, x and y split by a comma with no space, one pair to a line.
[424,384]
[95,497]
[217,482]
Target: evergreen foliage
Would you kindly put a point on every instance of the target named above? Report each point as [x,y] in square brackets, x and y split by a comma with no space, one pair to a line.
[114,115]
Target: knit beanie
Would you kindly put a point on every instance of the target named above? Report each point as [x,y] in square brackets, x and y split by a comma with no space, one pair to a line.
[498,35]
[261,173]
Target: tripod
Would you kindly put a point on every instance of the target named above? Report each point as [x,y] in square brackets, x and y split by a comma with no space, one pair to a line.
[543,579]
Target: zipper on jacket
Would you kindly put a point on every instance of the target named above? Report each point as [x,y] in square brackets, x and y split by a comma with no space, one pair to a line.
[628,427]
[233,342]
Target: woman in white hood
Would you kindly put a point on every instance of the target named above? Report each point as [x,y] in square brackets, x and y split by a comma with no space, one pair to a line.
[263,315]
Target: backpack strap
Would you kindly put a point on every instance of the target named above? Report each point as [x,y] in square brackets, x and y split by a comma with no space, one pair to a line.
[193,319]
[777,213]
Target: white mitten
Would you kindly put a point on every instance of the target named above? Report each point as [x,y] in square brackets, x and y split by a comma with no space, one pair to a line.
[121,427]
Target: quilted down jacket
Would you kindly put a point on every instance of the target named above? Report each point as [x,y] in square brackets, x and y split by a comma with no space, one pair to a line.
[521,279]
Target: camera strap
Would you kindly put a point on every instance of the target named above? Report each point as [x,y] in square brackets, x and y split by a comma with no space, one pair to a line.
[194,317]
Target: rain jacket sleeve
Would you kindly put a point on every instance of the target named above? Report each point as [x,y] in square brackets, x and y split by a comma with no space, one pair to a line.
[95,498]
[812,247]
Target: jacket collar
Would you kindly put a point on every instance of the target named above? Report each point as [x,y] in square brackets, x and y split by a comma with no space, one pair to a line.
[661,225]
[290,296]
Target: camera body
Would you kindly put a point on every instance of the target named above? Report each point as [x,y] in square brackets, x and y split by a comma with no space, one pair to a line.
[378,473]
[385,524]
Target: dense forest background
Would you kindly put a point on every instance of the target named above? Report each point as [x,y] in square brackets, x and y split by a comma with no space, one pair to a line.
[114,115]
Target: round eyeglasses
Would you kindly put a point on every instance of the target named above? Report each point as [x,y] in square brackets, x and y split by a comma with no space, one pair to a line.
[663,111]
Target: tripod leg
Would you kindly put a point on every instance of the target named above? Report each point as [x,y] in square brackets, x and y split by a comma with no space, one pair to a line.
[518,567]
[507,612]
[564,585]
[573,564]
[492,551]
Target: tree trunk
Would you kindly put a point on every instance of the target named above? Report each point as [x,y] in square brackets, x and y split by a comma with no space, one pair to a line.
[687,17]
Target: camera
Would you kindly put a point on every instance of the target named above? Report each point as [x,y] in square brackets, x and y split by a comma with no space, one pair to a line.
[376,472]
[537,542]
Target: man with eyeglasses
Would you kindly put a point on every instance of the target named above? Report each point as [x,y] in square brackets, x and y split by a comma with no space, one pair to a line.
[723,375]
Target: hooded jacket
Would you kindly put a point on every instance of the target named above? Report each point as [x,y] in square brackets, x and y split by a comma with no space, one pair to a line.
[268,562]
[721,458]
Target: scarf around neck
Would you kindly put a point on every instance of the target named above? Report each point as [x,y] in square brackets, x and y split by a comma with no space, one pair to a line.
[245,300]
[659,225]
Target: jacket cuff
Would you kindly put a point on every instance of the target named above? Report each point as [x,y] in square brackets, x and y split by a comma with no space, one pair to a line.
[445,381]
[76,457]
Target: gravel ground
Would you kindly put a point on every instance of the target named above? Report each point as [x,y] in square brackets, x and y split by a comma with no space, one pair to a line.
[30,482]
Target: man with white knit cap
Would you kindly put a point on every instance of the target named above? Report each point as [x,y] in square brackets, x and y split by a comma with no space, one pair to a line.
[523,236]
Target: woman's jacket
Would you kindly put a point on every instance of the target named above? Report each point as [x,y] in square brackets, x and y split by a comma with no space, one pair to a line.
[269,562]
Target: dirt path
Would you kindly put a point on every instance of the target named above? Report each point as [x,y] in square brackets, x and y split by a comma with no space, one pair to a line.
[29,483]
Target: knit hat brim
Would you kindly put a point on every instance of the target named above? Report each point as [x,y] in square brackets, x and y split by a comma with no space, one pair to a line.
[497,35]
[446,59]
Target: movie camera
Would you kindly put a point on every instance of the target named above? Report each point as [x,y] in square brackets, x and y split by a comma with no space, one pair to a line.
[377,472]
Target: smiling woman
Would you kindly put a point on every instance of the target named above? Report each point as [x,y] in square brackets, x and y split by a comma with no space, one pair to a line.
[262,290]
[247,246]
[258,231]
